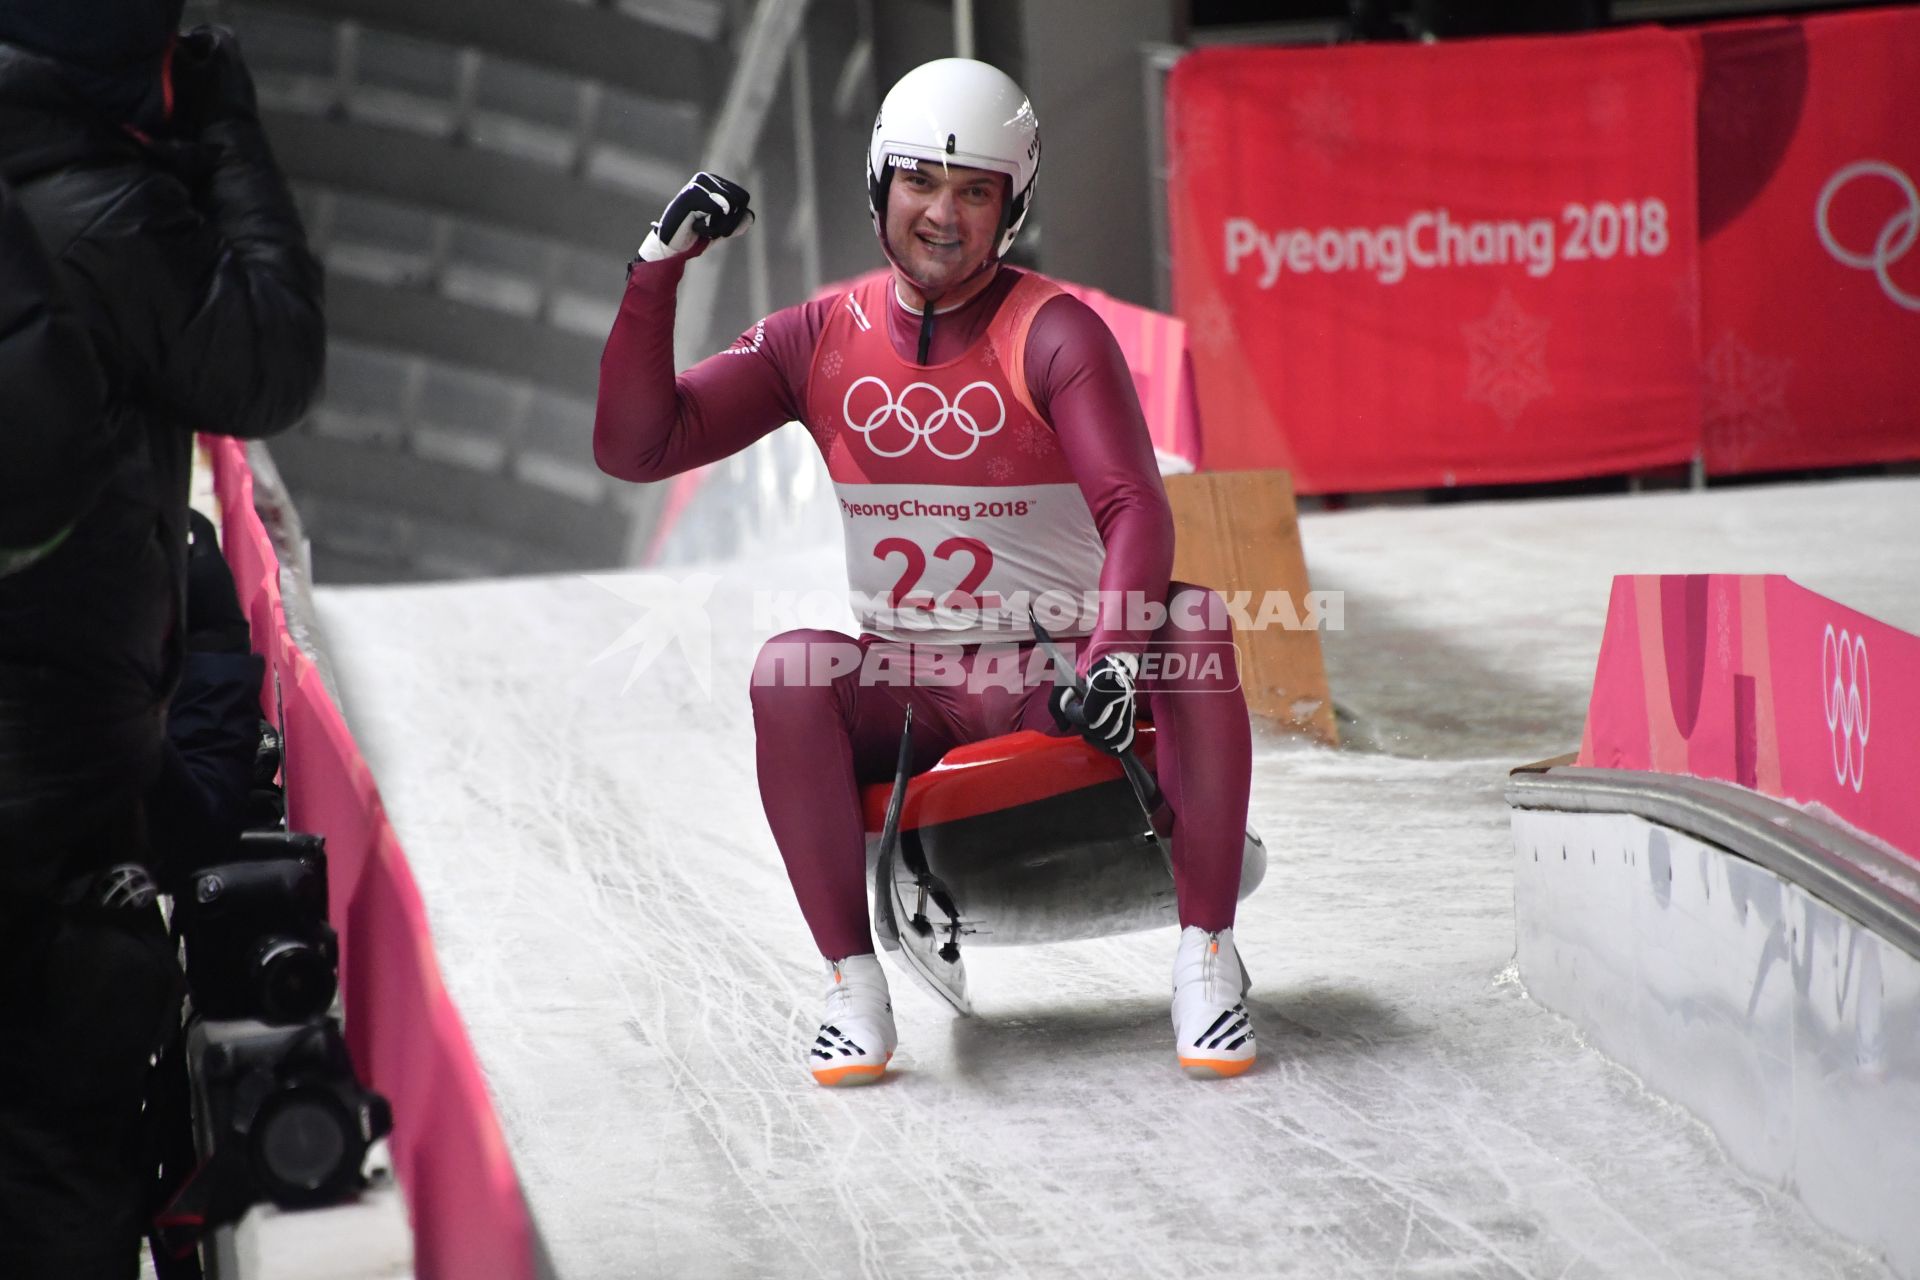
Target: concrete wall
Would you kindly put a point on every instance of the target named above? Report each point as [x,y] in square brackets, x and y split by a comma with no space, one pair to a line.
[1789,1028]
[1080,64]
[1085,80]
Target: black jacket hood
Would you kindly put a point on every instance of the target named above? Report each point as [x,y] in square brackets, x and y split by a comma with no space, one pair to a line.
[112,52]
[46,121]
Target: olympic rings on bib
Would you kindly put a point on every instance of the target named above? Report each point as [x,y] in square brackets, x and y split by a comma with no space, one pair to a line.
[922,412]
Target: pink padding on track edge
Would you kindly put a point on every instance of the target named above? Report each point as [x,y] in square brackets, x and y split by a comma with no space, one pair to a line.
[469,1215]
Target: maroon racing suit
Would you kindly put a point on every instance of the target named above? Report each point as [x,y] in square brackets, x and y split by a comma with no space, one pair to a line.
[1014,463]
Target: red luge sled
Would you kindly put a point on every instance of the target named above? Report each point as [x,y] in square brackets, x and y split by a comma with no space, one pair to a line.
[1029,838]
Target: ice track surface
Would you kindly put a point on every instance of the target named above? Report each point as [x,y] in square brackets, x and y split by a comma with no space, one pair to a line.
[615,926]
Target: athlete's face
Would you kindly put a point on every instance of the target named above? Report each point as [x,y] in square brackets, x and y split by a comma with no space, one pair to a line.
[942,220]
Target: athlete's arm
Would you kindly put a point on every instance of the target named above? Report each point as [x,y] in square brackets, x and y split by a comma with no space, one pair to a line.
[648,424]
[1080,383]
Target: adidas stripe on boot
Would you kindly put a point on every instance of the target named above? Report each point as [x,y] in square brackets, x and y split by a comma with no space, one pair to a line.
[856,1037]
[1213,1034]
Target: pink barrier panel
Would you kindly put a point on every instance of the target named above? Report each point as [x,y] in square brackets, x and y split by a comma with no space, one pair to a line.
[330,791]
[1155,347]
[469,1216]
[256,571]
[1755,680]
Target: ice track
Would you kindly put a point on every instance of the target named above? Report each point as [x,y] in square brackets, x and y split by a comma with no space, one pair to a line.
[616,928]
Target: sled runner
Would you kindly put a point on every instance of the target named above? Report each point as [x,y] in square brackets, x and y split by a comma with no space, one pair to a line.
[1020,839]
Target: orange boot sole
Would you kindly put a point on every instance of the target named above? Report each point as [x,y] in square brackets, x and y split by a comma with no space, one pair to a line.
[841,1077]
[1214,1068]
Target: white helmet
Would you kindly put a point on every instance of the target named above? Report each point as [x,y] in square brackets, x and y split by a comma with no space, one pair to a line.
[960,112]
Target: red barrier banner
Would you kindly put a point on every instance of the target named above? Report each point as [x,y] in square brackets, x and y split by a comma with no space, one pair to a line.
[250,558]
[1755,680]
[1810,254]
[1413,266]
[1155,348]
[469,1217]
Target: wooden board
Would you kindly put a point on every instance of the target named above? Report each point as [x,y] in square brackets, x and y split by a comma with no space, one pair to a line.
[1240,531]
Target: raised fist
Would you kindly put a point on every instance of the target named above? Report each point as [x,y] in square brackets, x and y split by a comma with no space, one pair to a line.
[708,208]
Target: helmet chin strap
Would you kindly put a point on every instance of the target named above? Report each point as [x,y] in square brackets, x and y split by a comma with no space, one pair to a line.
[930,297]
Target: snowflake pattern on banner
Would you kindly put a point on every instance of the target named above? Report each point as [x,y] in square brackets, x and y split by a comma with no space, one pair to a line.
[1211,327]
[832,364]
[990,355]
[825,432]
[1746,397]
[1323,121]
[1034,439]
[999,470]
[1507,359]
[1607,103]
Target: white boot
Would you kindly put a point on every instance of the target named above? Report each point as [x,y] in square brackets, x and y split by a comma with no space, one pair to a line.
[856,1037]
[1212,1033]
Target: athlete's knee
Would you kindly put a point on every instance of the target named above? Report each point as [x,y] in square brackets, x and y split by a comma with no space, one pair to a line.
[1194,651]
[1196,613]
[801,666]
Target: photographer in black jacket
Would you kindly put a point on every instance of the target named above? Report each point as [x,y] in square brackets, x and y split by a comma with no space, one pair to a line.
[55,437]
[139,160]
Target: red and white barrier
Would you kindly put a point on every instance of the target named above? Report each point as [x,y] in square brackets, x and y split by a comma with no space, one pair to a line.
[1757,962]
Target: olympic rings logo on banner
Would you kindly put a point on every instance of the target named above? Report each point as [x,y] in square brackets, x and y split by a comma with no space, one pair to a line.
[939,416]
[1846,690]
[1895,238]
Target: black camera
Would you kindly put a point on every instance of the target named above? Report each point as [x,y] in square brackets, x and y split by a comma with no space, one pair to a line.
[282,1117]
[287,1096]
[256,931]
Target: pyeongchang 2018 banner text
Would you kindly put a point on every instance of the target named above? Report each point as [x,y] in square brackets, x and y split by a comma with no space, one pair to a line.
[1420,266]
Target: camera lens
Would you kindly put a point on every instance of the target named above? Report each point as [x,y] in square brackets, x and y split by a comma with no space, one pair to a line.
[295,981]
[301,1142]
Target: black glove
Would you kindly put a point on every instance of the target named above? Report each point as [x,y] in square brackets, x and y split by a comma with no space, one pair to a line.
[1104,716]
[210,82]
[707,208]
